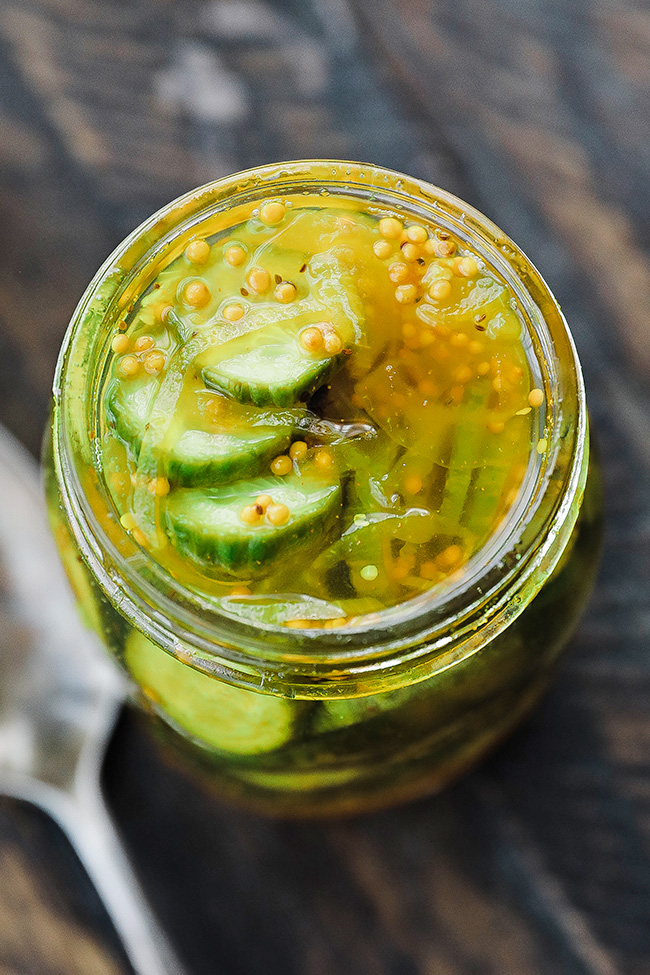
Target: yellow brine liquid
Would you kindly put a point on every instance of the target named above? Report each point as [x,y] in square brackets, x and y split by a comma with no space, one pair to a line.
[314,413]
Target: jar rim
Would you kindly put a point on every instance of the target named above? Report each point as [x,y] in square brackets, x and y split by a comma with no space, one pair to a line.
[396,645]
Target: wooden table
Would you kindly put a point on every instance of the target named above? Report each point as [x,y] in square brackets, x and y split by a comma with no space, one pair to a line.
[536,111]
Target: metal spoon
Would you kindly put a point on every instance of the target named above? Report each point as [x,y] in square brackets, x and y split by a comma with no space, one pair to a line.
[59,699]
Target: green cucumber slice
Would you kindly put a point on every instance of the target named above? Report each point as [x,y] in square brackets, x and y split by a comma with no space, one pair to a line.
[268,368]
[129,408]
[203,459]
[195,458]
[267,365]
[230,719]
[205,525]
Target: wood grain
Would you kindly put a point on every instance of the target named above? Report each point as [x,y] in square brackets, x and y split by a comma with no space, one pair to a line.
[538,113]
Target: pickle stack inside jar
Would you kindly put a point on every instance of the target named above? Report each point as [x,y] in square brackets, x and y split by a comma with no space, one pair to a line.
[319,412]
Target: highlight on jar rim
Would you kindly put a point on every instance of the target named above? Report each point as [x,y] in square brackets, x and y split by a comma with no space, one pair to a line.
[319,429]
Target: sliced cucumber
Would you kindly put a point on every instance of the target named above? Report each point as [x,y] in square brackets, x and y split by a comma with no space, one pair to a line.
[268,367]
[203,459]
[468,449]
[191,457]
[129,408]
[205,525]
[230,719]
[355,710]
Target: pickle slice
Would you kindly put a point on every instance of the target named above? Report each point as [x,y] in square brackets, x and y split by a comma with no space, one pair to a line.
[202,459]
[205,525]
[268,368]
[230,719]
[129,408]
[191,457]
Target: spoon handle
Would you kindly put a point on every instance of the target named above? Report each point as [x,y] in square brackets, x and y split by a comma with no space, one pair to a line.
[97,843]
[85,821]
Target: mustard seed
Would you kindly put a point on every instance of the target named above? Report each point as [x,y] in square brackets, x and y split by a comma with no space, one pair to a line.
[198,251]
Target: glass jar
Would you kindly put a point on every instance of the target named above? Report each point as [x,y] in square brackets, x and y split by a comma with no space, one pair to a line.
[331,721]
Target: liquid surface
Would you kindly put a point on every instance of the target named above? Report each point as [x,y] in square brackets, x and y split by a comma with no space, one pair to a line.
[318,412]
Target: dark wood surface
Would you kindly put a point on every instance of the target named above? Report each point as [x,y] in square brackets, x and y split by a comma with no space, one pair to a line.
[536,111]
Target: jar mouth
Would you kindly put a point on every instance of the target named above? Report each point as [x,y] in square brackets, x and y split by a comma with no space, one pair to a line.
[414,637]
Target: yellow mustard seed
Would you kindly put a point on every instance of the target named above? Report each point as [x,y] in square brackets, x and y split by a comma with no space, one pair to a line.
[536,397]
[449,558]
[467,267]
[445,248]
[249,514]
[278,514]
[128,522]
[298,450]
[281,465]
[382,249]
[272,212]
[154,362]
[462,374]
[400,570]
[233,312]
[259,280]
[409,330]
[198,251]
[413,484]
[429,571]
[197,294]
[332,343]
[416,234]
[263,501]
[130,366]
[475,347]
[311,339]
[142,343]
[390,228]
[440,290]
[410,252]
[120,343]
[496,426]
[285,292]
[515,374]
[459,340]
[426,336]
[406,293]
[429,248]
[158,486]
[234,255]
[483,368]
[398,272]
[324,460]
